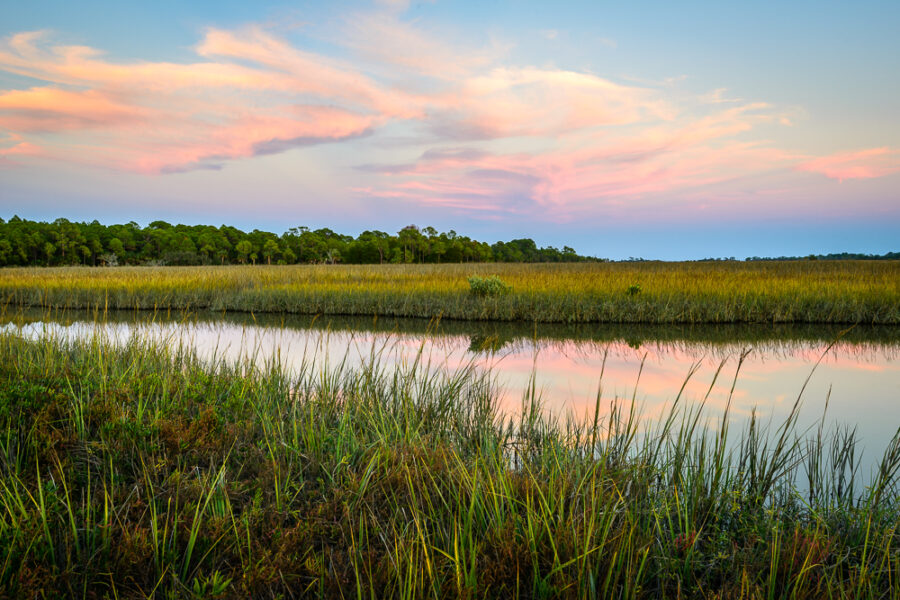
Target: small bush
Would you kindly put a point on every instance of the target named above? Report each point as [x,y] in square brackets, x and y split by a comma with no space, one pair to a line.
[634,289]
[488,286]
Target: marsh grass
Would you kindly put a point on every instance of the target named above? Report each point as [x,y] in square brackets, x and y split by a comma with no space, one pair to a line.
[137,469]
[866,292]
[488,286]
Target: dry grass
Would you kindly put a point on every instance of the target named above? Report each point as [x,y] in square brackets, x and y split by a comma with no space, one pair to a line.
[773,292]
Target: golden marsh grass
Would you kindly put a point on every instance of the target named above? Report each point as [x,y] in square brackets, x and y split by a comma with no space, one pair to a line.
[649,292]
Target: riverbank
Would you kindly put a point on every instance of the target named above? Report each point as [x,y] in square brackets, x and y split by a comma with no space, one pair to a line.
[847,292]
[134,469]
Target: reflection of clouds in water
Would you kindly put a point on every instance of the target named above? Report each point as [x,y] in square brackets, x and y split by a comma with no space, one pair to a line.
[865,376]
[714,351]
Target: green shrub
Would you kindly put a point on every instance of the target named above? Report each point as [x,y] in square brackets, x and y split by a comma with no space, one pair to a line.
[488,286]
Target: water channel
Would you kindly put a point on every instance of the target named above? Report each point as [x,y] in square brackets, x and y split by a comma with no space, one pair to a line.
[857,371]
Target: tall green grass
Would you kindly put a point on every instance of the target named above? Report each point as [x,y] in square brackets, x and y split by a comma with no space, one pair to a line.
[139,471]
[769,292]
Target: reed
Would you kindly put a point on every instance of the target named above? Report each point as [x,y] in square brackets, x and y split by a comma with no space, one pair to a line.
[137,470]
[723,292]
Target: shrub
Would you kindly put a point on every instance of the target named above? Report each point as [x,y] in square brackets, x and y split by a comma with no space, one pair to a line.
[488,286]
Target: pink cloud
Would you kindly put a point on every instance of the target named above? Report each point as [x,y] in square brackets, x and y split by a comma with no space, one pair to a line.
[26,55]
[546,102]
[254,93]
[591,170]
[384,40]
[12,146]
[862,164]
[252,135]
[491,138]
[163,117]
[307,73]
[52,109]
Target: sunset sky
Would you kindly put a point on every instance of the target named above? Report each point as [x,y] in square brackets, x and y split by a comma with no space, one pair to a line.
[656,129]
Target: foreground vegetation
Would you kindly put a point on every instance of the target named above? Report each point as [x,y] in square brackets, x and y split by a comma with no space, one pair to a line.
[136,470]
[865,292]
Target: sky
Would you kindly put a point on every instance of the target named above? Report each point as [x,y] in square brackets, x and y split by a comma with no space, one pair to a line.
[670,130]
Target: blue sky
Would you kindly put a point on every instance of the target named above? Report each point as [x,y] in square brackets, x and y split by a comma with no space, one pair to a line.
[666,130]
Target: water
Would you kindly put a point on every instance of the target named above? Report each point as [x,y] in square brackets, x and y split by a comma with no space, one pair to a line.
[858,371]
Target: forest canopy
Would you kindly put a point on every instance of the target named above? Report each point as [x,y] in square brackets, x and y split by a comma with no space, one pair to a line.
[63,242]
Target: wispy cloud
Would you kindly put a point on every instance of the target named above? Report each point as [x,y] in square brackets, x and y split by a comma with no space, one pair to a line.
[393,5]
[489,137]
[401,49]
[717,96]
[12,146]
[608,42]
[50,109]
[861,164]
[165,117]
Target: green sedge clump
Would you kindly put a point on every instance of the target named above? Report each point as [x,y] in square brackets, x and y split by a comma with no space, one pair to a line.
[488,286]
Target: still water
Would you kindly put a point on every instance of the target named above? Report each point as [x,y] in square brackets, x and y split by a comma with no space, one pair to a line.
[858,371]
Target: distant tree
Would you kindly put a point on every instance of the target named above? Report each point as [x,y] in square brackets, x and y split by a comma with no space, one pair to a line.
[412,241]
[244,249]
[270,249]
[49,250]
[109,260]
[6,251]
[116,247]
[333,256]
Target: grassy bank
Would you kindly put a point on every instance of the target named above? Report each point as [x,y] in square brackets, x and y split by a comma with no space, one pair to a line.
[136,471]
[771,292]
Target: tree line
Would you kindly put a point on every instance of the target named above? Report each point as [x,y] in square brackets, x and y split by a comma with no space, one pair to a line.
[834,256]
[63,242]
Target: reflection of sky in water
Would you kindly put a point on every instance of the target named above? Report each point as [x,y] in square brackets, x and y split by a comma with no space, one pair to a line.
[863,379]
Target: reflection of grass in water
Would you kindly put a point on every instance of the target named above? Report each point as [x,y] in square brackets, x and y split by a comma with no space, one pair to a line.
[487,343]
[134,470]
[718,341]
[759,292]
[634,343]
